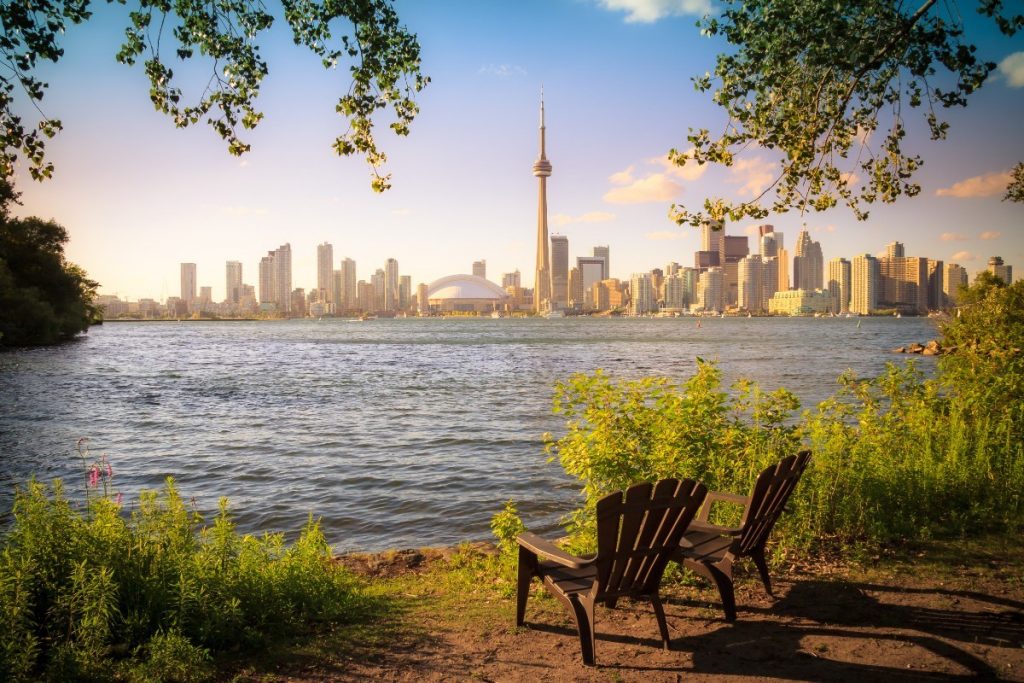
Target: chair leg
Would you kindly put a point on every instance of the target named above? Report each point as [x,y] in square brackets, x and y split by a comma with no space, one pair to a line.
[527,569]
[725,589]
[659,612]
[583,615]
[762,568]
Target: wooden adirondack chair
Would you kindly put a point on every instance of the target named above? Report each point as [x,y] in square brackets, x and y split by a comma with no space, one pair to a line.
[711,550]
[636,537]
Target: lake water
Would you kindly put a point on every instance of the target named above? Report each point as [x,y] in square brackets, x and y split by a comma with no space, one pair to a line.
[398,433]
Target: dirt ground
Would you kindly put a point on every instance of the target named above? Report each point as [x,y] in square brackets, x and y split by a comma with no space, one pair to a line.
[934,614]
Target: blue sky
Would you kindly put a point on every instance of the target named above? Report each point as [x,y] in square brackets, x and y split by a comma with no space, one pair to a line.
[139,196]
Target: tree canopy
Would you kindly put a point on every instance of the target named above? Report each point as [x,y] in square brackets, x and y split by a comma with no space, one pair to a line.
[44,299]
[829,86]
[383,58]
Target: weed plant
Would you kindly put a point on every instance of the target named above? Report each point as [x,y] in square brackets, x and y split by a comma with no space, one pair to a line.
[93,593]
[895,457]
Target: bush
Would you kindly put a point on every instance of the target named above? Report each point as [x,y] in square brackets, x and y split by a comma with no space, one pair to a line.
[81,588]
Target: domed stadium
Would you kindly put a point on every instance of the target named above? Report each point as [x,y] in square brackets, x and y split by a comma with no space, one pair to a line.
[465,294]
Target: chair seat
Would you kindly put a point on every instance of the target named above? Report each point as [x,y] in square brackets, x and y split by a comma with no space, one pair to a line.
[568,581]
[704,544]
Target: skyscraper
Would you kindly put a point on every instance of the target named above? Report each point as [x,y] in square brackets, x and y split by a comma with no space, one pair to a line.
[349,289]
[390,301]
[233,282]
[325,271]
[511,279]
[603,252]
[955,278]
[559,271]
[379,282]
[405,293]
[996,267]
[863,284]
[903,283]
[542,278]
[188,282]
[576,289]
[894,250]
[267,279]
[480,268]
[711,235]
[808,264]
[839,275]
[641,294]
[283,277]
[750,285]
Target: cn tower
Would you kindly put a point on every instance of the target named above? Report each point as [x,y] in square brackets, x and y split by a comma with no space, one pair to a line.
[542,281]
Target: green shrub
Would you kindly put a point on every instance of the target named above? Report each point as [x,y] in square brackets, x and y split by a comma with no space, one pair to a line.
[80,588]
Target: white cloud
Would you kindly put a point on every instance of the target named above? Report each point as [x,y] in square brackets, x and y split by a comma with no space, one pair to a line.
[1012,69]
[850,179]
[662,235]
[657,187]
[988,185]
[963,256]
[647,11]
[952,237]
[560,219]
[990,235]
[660,185]
[752,175]
[501,70]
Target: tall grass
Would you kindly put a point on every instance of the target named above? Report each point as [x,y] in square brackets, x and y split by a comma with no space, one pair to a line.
[895,457]
[91,593]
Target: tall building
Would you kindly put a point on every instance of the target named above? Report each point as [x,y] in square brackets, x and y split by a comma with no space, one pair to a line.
[422,302]
[903,283]
[894,250]
[379,282]
[783,269]
[542,277]
[863,284]
[576,291]
[769,277]
[592,269]
[282,280]
[838,285]
[675,291]
[405,293]
[188,282]
[366,298]
[513,279]
[349,287]
[709,290]
[641,300]
[750,285]
[808,264]
[233,282]
[390,294]
[936,281]
[953,281]
[602,252]
[771,243]
[325,271]
[995,266]
[711,235]
[267,279]
[480,268]
[559,271]
[336,287]
[732,249]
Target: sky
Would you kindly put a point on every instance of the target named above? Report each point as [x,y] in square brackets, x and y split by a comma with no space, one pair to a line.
[139,196]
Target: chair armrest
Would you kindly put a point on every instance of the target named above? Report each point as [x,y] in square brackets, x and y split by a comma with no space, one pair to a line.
[719,496]
[549,551]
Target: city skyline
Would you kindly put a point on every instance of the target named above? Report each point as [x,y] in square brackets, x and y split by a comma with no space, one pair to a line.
[129,186]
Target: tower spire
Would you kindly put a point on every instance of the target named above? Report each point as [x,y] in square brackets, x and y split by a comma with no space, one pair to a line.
[542,169]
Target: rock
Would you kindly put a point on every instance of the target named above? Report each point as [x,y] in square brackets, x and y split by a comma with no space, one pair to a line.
[915,348]
[929,351]
[900,349]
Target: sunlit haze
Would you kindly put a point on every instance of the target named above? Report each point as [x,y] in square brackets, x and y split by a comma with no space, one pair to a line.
[139,197]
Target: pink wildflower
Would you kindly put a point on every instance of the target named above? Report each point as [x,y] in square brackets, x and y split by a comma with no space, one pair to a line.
[94,476]
[110,471]
[117,500]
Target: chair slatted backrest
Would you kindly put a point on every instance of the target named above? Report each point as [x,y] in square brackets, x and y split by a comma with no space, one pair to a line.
[638,532]
[768,500]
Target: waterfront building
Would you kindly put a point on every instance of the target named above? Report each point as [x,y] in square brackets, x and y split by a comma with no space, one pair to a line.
[559,271]
[404,292]
[783,268]
[390,294]
[800,302]
[903,282]
[366,297]
[894,250]
[480,268]
[336,291]
[267,280]
[936,281]
[349,289]
[576,300]
[678,290]
[604,253]
[297,306]
[616,293]
[1000,270]
[770,243]
[863,284]
[641,290]
[769,278]
[542,276]
[711,236]
[709,290]
[839,275]
[466,294]
[325,270]
[732,249]
[422,299]
[188,283]
[808,264]
[953,281]
[379,282]
[513,279]
[750,278]
[233,282]
[276,280]
[205,296]
[592,269]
